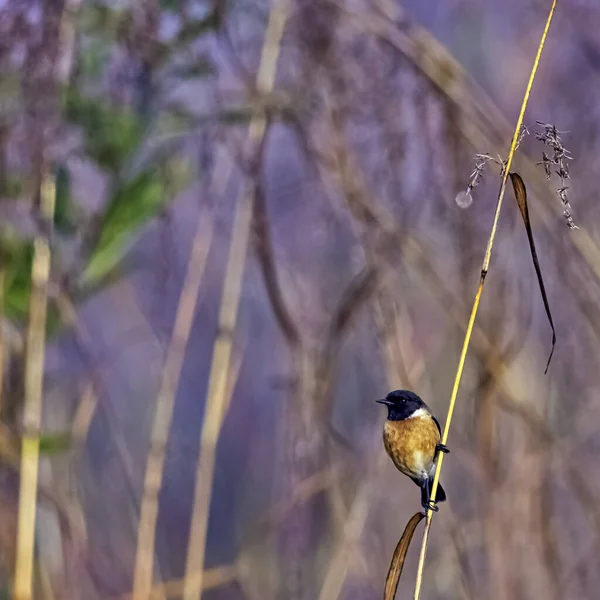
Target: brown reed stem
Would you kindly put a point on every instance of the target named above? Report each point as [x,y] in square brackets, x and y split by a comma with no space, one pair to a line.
[484,270]
[354,523]
[2,348]
[217,385]
[34,375]
[211,578]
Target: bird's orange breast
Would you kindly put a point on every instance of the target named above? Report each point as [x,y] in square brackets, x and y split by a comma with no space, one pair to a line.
[411,444]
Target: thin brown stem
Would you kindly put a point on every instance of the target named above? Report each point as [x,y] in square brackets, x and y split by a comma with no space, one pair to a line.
[217,384]
[165,402]
[211,578]
[2,344]
[264,248]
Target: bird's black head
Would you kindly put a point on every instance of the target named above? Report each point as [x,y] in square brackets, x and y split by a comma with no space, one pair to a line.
[402,404]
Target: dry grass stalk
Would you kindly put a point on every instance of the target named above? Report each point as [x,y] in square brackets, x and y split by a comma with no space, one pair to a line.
[89,402]
[83,341]
[354,524]
[217,386]
[2,349]
[301,494]
[84,414]
[34,375]
[165,402]
[484,270]
[216,401]
[45,583]
[211,579]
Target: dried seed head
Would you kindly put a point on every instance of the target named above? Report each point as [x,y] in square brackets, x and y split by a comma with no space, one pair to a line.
[550,136]
[524,131]
[481,160]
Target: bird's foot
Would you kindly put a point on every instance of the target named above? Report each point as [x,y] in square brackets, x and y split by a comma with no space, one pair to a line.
[442,448]
[431,505]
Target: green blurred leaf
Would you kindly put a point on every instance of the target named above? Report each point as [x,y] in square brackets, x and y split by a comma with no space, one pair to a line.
[119,272]
[111,133]
[55,443]
[93,57]
[10,98]
[12,186]
[170,5]
[63,221]
[100,18]
[17,257]
[131,206]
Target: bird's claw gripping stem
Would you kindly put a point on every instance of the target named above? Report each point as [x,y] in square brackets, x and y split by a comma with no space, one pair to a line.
[442,448]
[431,505]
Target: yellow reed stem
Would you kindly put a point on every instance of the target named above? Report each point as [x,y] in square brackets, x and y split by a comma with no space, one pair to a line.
[484,270]
[34,376]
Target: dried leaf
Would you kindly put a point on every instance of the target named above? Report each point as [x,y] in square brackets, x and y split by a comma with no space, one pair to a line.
[397,564]
[521,197]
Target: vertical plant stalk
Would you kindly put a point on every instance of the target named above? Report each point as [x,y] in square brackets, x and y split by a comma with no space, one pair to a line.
[216,401]
[2,348]
[484,270]
[217,384]
[144,560]
[34,375]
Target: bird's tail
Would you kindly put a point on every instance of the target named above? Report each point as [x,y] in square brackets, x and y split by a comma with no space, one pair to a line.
[440,494]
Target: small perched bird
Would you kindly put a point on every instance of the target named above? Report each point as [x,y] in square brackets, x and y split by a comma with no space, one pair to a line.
[411,436]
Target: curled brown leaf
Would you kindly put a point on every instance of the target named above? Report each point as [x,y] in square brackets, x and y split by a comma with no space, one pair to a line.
[399,556]
[521,197]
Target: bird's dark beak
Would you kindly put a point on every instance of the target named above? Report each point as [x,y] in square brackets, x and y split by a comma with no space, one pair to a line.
[384,401]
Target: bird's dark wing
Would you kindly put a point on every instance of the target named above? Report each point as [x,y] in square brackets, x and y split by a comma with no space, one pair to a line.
[437,424]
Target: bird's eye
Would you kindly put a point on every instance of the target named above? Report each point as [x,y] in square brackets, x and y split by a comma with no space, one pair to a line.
[404,400]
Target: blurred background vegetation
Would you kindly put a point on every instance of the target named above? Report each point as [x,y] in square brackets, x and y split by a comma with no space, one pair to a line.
[240,266]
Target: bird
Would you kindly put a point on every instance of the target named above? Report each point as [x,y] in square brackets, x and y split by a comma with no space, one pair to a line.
[411,436]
